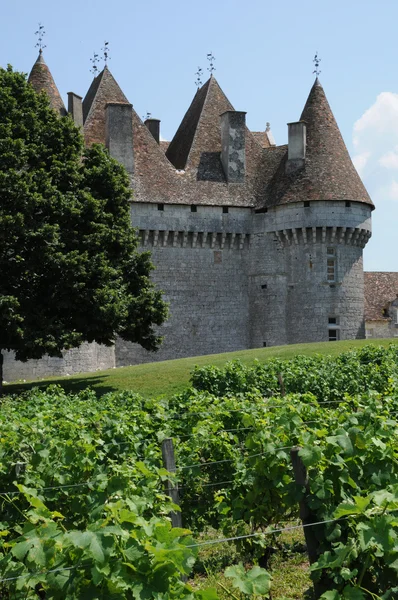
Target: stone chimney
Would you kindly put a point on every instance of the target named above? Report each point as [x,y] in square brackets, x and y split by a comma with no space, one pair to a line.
[154,128]
[119,133]
[296,146]
[233,145]
[75,108]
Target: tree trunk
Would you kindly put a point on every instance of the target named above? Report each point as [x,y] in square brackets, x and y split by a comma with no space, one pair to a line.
[1,372]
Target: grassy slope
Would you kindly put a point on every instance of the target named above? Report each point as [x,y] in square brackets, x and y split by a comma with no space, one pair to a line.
[172,376]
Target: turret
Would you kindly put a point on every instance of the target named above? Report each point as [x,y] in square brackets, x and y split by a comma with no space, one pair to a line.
[41,80]
[319,214]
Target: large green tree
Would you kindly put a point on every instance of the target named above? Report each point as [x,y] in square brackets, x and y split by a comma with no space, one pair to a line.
[69,266]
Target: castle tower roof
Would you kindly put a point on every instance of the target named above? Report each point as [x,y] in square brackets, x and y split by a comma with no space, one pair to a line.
[103,89]
[196,146]
[328,173]
[41,79]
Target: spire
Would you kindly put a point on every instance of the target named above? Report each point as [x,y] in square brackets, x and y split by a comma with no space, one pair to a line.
[41,79]
[328,172]
[103,89]
[197,142]
[327,156]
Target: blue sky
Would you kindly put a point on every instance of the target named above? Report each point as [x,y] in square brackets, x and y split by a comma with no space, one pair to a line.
[264,53]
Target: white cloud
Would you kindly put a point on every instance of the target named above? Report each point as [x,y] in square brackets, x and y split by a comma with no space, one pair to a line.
[389,160]
[392,190]
[380,120]
[375,139]
[360,161]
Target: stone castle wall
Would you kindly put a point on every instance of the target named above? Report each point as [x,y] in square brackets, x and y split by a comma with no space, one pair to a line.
[238,280]
[86,358]
[202,266]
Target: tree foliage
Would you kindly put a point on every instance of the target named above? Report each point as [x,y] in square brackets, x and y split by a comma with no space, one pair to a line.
[70,270]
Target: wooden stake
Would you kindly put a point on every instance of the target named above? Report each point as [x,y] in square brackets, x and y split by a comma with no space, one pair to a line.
[171,488]
[312,534]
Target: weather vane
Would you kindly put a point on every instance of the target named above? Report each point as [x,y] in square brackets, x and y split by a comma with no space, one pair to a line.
[316,61]
[198,74]
[211,60]
[94,61]
[105,50]
[40,37]
[147,116]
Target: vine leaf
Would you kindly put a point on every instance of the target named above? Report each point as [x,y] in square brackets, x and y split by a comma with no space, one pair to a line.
[255,581]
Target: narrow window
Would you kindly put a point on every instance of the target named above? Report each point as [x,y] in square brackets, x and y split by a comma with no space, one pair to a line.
[264,344]
[333,335]
[348,203]
[194,208]
[225,210]
[306,204]
[264,286]
[396,316]
[331,265]
[160,206]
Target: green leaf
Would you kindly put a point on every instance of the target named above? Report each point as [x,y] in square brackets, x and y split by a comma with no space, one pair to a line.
[353,593]
[255,581]
[310,455]
[357,507]
[332,595]
[207,594]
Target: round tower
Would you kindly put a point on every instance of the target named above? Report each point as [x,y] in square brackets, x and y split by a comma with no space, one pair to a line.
[318,221]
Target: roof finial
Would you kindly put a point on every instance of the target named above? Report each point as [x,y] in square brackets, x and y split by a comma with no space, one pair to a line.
[198,74]
[40,36]
[267,126]
[211,60]
[105,51]
[316,61]
[94,61]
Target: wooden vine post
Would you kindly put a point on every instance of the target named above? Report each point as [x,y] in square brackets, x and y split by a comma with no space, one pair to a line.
[171,488]
[312,534]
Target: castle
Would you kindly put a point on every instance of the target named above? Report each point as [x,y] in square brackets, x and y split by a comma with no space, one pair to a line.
[254,244]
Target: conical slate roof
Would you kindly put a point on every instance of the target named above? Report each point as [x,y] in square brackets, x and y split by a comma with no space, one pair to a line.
[328,173]
[41,79]
[103,89]
[196,147]
[179,147]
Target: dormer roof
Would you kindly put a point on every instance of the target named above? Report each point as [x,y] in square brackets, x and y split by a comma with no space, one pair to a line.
[41,80]
[328,172]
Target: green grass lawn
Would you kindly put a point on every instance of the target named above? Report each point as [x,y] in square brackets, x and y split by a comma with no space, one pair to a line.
[172,376]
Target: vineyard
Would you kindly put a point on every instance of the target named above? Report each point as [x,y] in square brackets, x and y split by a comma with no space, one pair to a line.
[85,495]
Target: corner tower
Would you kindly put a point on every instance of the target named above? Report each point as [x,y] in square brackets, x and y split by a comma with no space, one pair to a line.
[317,223]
